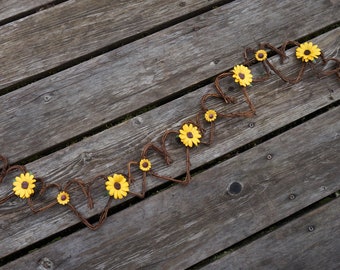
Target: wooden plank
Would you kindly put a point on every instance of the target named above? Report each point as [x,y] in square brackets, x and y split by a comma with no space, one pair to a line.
[180,226]
[76,28]
[98,91]
[278,104]
[14,7]
[294,246]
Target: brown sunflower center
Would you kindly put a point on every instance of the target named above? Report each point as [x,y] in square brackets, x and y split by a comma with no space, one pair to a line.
[117,186]
[260,55]
[307,52]
[24,185]
[241,75]
[190,135]
[211,116]
[145,164]
[63,197]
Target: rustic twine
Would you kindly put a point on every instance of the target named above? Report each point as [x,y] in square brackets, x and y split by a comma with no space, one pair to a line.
[162,150]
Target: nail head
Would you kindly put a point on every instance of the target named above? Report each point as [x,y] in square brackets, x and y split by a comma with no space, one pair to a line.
[251,124]
[269,156]
[47,98]
[216,61]
[311,228]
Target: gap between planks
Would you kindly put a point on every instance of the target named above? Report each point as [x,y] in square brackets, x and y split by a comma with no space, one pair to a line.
[76,31]
[310,242]
[67,98]
[15,9]
[184,225]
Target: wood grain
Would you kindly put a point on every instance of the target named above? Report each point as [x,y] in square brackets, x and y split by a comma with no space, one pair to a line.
[277,103]
[75,28]
[105,88]
[180,226]
[294,246]
[14,7]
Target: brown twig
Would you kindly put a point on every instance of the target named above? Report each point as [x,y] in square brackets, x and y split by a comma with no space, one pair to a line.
[86,188]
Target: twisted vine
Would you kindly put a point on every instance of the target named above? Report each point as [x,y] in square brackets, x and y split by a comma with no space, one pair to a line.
[191,133]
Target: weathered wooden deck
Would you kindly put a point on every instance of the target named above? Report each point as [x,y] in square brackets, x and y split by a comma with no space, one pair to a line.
[85,84]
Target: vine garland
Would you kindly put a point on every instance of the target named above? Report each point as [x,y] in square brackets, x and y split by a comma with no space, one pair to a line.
[190,134]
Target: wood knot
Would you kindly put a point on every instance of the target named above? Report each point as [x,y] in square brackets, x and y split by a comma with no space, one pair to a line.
[45,264]
[235,188]
[86,157]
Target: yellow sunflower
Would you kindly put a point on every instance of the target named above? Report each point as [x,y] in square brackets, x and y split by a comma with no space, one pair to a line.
[210,115]
[307,52]
[261,55]
[23,186]
[117,186]
[63,197]
[242,75]
[189,135]
[145,165]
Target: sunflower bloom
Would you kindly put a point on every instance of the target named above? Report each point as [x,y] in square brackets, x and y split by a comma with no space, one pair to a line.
[242,75]
[261,55]
[210,115]
[307,52]
[145,165]
[23,186]
[189,135]
[117,186]
[63,198]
